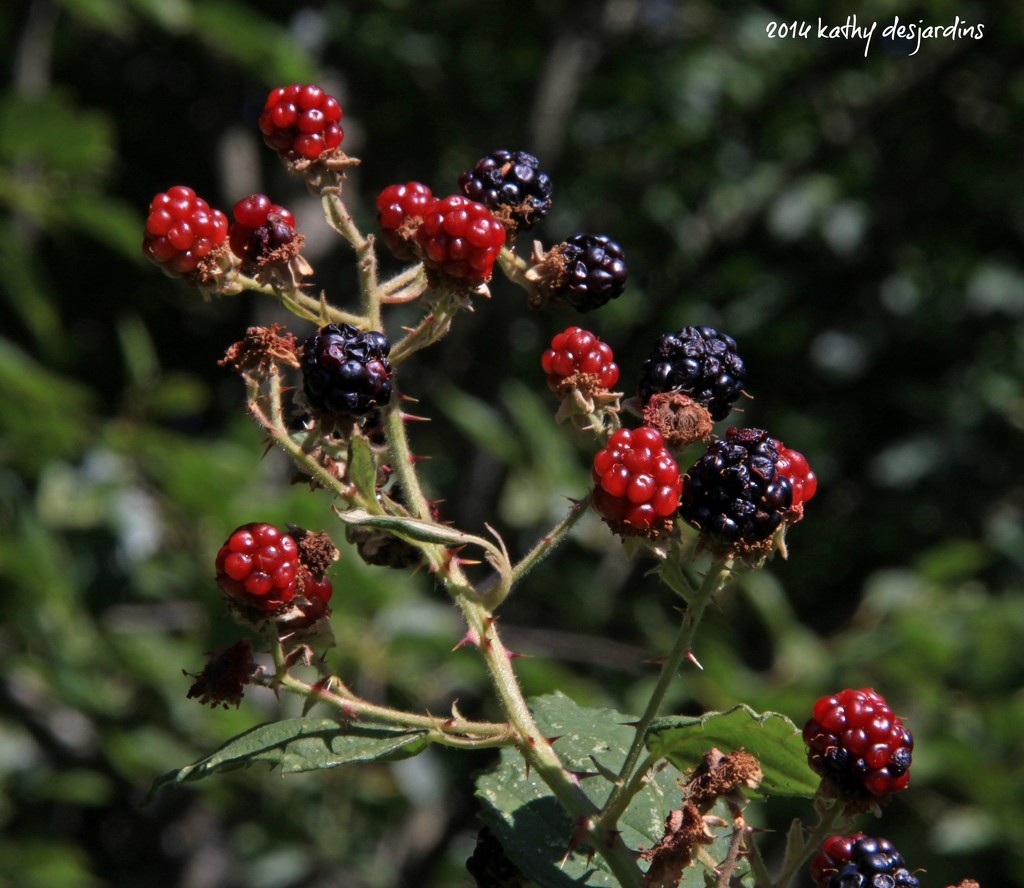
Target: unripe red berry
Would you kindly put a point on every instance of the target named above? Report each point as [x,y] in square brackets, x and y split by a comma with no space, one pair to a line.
[260,228]
[856,743]
[181,229]
[400,210]
[576,352]
[793,465]
[637,482]
[258,565]
[460,238]
[301,120]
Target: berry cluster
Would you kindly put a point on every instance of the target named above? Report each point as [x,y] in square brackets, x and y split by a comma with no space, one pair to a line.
[301,121]
[856,743]
[637,482]
[258,566]
[593,271]
[460,238]
[510,184]
[858,861]
[699,362]
[181,230]
[734,493]
[400,211]
[576,353]
[345,371]
[260,229]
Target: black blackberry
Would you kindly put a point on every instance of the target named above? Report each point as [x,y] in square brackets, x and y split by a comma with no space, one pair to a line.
[870,863]
[346,371]
[594,271]
[699,362]
[733,493]
[509,181]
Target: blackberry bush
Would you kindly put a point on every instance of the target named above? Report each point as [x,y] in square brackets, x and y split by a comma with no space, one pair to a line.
[600,786]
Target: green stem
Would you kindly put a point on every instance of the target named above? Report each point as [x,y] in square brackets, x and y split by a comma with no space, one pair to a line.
[714,579]
[339,218]
[796,858]
[515,267]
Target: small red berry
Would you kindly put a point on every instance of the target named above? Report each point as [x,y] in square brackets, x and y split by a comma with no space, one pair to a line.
[318,594]
[181,230]
[460,238]
[258,566]
[260,228]
[856,743]
[637,482]
[400,209]
[793,465]
[575,352]
[301,120]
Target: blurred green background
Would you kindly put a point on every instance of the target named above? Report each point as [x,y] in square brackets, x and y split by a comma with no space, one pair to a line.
[855,223]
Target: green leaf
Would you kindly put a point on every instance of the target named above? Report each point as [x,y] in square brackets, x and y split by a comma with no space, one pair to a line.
[362,469]
[301,744]
[535,829]
[415,529]
[772,737]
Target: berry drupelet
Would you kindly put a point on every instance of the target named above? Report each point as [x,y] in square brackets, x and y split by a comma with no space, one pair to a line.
[301,120]
[699,362]
[793,465]
[509,184]
[637,482]
[345,371]
[733,493]
[576,354]
[181,230]
[858,861]
[400,211]
[260,231]
[460,238]
[593,271]
[857,745]
[258,567]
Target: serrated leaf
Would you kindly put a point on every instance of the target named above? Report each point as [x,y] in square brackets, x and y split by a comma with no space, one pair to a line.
[535,829]
[770,736]
[362,469]
[301,744]
[415,529]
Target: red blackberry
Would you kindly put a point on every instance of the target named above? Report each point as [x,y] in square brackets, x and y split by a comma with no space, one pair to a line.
[460,238]
[594,271]
[576,352]
[301,120]
[510,185]
[857,745]
[637,481]
[734,493]
[858,861]
[258,565]
[400,210]
[699,362]
[181,230]
[318,594]
[260,229]
[346,371]
[793,465]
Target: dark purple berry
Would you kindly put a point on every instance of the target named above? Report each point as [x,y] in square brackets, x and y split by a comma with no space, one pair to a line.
[699,362]
[345,371]
[510,184]
[594,271]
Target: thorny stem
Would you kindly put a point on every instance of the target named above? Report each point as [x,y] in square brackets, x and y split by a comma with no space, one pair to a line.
[341,221]
[728,866]
[716,577]
[300,304]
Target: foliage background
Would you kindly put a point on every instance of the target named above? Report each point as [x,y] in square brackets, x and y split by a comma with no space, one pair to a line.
[854,222]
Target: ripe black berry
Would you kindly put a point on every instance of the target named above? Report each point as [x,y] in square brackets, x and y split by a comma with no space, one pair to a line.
[859,861]
[594,271]
[699,362]
[856,743]
[510,184]
[734,493]
[346,371]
